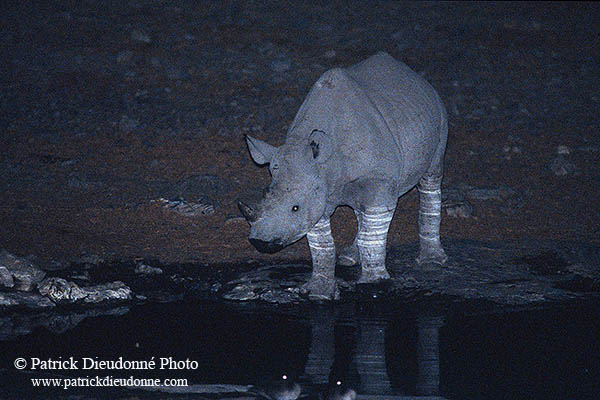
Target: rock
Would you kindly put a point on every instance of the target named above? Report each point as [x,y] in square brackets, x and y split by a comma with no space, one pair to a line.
[144,269]
[281,64]
[280,296]
[202,207]
[108,292]
[499,193]
[560,166]
[29,300]
[330,54]
[124,57]
[462,209]
[127,124]
[241,293]
[63,292]
[563,150]
[90,259]
[455,199]
[140,36]
[6,278]
[24,274]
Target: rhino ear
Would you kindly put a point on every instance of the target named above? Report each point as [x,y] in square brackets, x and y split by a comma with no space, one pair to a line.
[261,152]
[321,146]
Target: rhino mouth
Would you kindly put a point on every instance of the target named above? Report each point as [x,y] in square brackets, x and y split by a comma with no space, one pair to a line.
[263,246]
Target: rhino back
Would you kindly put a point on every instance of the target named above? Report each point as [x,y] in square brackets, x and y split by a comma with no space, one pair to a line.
[382,117]
[409,108]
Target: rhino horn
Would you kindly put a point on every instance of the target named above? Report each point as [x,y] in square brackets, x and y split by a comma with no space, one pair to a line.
[248,212]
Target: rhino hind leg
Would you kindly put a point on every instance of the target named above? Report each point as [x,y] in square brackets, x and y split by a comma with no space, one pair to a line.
[350,255]
[322,284]
[371,243]
[430,217]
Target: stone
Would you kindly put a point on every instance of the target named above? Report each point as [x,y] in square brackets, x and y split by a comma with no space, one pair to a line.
[140,36]
[24,274]
[241,293]
[202,207]
[127,124]
[563,150]
[144,269]
[462,209]
[62,291]
[24,299]
[124,57]
[280,296]
[281,64]
[560,166]
[6,278]
[330,54]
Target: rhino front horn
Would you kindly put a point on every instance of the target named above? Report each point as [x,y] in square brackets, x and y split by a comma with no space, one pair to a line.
[247,211]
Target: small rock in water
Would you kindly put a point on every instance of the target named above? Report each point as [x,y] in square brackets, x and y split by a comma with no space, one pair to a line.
[6,278]
[61,291]
[25,275]
[560,166]
[30,300]
[144,269]
[278,296]
[241,293]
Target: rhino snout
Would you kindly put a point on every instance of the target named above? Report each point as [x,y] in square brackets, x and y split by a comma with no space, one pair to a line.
[248,212]
[267,247]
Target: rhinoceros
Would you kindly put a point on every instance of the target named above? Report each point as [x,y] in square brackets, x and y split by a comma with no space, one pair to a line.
[364,136]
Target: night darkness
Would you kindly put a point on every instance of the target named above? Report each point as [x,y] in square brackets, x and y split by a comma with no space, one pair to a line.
[122,149]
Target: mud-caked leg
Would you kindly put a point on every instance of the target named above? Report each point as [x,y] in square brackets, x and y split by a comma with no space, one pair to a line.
[321,284]
[371,241]
[349,255]
[430,217]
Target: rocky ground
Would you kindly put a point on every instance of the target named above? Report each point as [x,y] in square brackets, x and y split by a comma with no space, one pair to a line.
[122,122]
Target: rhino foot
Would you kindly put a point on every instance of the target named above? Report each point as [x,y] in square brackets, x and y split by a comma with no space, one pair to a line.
[432,255]
[349,256]
[320,288]
[374,275]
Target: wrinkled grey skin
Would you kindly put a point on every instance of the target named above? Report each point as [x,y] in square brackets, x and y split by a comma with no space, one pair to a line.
[363,137]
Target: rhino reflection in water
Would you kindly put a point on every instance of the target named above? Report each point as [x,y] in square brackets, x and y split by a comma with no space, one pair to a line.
[363,137]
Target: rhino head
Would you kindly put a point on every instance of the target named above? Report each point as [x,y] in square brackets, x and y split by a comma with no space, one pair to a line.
[295,199]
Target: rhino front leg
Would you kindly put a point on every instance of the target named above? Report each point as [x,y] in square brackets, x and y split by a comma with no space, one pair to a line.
[322,285]
[371,241]
[430,217]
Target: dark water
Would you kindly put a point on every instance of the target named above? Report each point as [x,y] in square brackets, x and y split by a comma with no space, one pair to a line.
[460,353]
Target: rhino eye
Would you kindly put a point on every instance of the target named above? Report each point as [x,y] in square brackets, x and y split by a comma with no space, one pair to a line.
[295,208]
